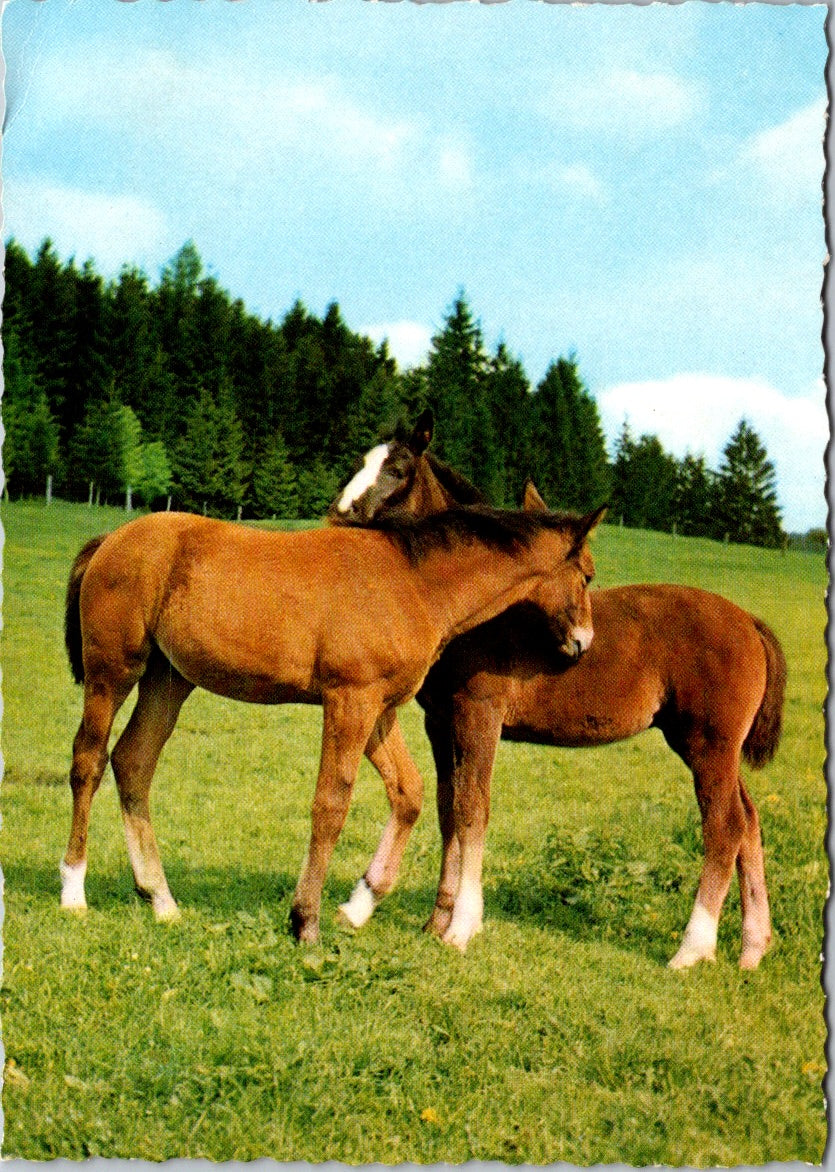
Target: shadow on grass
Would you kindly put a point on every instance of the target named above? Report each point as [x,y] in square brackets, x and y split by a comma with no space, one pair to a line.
[213,890]
[590,896]
[523,898]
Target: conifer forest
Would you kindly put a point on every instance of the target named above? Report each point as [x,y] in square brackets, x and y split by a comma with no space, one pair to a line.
[175,395]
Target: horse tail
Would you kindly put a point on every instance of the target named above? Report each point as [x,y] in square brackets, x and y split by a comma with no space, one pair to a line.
[72,611]
[764,735]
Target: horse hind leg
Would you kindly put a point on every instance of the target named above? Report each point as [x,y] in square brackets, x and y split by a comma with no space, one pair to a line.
[750,864]
[102,700]
[477,730]
[162,691]
[439,732]
[387,752]
[724,825]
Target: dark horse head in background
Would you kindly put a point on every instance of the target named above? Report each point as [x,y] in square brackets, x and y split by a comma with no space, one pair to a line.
[400,476]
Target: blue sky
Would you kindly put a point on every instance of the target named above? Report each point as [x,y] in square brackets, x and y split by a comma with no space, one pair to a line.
[638,185]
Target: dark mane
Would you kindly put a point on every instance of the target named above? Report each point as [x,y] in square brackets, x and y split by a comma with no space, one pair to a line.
[455,484]
[497,528]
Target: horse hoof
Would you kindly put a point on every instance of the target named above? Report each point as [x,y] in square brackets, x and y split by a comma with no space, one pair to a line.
[304,928]
[167,913]
[460,937]
[74,909]
[359,908]
[751,956]
[687,956]
[439,922]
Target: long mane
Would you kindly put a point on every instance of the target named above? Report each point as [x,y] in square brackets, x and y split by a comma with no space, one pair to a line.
[497,528]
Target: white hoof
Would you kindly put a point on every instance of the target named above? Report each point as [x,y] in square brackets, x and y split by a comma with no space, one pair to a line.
[360,907]
[72,886]
[689,954]
[165,909]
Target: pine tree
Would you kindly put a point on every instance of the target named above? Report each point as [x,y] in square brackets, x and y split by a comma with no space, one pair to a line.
[456,390]
[31,443]
[747,491]
[509,396]
[318,485]
[568,450]
[208,458]
[273,489]
[97,448]
[643,482]
[694,499]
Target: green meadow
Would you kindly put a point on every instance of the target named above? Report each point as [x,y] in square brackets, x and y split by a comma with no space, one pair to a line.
[561,1035]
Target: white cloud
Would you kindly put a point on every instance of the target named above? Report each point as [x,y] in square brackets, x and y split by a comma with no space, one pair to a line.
[251,125]
[789,157]
[699,412]
[409,341]
[624,101]
[111,228]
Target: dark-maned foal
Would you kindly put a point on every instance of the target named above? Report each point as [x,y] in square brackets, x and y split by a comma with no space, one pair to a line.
[349,619]
[710,676]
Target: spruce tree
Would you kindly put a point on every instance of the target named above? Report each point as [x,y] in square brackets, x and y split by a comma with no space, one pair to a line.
[31,443]
[207,464]
[747,491]
[567,447]
[273,489]
[456,390]
[508,394]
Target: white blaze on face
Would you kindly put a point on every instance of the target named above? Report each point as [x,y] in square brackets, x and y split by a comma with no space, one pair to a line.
[366,476]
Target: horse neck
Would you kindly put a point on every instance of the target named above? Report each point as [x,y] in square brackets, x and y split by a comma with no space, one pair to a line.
[428,495]
[473,584]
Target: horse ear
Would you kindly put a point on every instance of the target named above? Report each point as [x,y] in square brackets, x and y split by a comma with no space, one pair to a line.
[532,502]
[588,524]
[421,436]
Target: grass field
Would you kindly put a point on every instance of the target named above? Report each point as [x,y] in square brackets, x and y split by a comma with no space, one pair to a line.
[559,1036]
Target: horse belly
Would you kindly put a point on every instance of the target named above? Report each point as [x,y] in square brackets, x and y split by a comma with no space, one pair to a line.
[580,707]
[235,657]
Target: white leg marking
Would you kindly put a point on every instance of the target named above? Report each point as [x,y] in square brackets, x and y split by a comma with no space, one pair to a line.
[366,476]
[359,908]
[72,885]
[699,941]
[467,915]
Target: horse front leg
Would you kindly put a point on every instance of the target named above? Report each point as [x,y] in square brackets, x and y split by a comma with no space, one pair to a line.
[162,692]
[349,718]
[723,828]
[102,700]
[387,752]
[476,733]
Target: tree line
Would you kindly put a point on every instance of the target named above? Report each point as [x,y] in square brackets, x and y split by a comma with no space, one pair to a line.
[175,395]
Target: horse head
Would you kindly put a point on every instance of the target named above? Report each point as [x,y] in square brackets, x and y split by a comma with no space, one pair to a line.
[387,478]
[570,615]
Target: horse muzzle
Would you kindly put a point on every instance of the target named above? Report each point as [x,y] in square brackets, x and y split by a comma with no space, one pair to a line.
[576,642]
